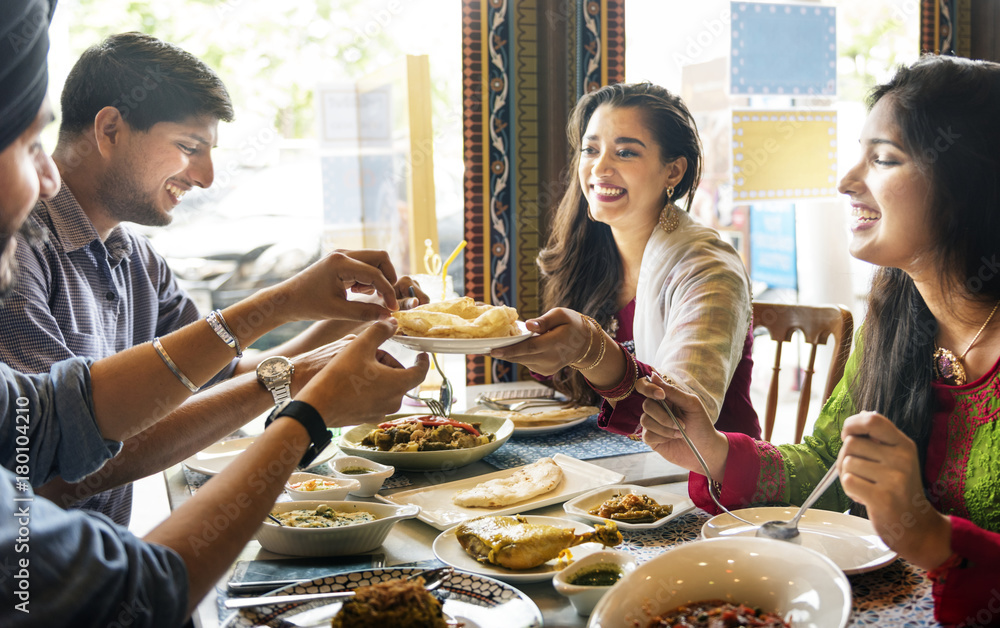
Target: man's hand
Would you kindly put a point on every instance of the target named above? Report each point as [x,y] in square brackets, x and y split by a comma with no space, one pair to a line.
[363,383]
[320,291]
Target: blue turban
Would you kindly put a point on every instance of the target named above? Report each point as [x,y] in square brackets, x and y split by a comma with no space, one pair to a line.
[24,78]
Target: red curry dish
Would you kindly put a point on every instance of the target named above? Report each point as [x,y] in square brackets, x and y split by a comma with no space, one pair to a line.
[717,614]
[425,433]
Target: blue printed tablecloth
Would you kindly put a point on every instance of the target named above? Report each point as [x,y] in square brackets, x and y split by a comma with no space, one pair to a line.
[583,442]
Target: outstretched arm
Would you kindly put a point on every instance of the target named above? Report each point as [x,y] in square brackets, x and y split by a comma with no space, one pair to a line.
[360,384]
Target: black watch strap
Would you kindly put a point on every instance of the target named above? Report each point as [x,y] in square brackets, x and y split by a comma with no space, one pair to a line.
[311,420]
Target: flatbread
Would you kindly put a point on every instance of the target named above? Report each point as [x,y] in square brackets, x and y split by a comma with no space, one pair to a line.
[458,318]
[529,481]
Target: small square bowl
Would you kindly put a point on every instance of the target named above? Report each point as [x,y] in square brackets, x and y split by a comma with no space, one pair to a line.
[370,480]
[585,597]
[336,488]
[580,506]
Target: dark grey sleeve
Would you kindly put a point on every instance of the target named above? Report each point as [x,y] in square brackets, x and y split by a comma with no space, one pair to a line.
[69,568]
[47,425]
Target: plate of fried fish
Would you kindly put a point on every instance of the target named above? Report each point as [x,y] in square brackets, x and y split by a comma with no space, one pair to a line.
[519,548]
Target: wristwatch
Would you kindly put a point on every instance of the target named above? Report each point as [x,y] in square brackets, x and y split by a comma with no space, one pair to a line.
[275,373]
[311,420]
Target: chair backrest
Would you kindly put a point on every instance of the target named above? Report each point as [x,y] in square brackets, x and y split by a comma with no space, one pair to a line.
[817,324]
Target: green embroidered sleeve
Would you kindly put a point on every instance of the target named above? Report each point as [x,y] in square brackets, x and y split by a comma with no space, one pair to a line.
[805,464]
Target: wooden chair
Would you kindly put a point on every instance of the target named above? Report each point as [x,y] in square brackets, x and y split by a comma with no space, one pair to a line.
[817,323]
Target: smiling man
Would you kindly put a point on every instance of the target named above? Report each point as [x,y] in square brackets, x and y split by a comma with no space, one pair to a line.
[139,121]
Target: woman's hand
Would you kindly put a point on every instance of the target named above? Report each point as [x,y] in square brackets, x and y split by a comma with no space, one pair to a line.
[660,433]
[880,468]
[564,337]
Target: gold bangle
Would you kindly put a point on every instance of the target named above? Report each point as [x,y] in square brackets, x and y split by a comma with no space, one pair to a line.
[600,354]
[631,388]
[590,340]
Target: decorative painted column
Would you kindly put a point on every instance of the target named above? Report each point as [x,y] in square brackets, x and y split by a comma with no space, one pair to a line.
[503,43]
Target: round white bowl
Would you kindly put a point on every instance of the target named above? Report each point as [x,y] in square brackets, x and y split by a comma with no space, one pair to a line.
[352,539]
[340,492]
[803,586]
[350,443]
[368,483]
[585,598]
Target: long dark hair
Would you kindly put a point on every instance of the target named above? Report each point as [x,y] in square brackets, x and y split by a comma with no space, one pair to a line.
[946,109]
[580,265]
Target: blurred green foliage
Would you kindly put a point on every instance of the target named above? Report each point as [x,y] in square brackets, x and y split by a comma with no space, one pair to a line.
[270,53]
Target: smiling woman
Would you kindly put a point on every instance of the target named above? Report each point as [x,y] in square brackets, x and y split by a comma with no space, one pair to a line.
[633,282]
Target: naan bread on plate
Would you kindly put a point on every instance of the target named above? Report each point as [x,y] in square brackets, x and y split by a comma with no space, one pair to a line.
[560,415]
[529,481]
[458,318]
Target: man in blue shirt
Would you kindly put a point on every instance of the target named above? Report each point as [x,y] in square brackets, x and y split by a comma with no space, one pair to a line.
[71,568]
[139,122]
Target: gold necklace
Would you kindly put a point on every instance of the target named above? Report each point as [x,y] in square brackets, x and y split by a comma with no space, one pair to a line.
[948,366]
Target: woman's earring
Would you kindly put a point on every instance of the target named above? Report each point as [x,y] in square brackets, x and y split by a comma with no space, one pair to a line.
[670,193]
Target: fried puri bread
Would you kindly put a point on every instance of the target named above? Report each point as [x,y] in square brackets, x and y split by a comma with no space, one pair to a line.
[529,481]
[458,318]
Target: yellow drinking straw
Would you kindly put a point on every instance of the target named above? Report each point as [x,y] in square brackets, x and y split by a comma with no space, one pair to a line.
[444,268]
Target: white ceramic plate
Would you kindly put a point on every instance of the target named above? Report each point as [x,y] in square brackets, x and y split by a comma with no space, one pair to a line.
[473,600]
[350,443]
[437,509]
[214,458]
[449,551]
[535,429]
[849,541]
[806,588]
[467,346]
[579,506]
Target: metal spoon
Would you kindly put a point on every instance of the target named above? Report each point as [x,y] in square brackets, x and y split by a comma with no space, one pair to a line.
[433,578]
[697,454]
[788,530]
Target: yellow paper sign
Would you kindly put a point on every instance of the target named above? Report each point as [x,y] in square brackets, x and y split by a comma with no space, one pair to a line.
[784,154]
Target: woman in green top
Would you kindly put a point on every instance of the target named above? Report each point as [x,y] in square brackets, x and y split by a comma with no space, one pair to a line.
[913,424]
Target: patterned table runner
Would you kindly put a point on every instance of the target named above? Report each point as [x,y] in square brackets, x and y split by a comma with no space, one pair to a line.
[583,442]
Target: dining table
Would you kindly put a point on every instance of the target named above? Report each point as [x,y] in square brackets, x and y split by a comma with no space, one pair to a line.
[898,594]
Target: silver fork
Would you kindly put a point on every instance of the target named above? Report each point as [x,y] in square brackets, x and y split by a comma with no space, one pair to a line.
[432,404]
[442,405]
[514,406]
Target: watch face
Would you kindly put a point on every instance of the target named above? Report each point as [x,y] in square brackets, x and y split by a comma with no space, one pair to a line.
[273,367]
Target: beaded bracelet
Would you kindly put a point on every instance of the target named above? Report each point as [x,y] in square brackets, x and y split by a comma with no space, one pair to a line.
[158,346]
[600,354]
[221,329]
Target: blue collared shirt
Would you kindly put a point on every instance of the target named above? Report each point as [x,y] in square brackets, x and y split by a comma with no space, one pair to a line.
[67,567]
[75,295]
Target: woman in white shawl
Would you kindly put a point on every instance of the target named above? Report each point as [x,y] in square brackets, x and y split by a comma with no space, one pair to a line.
[634,284]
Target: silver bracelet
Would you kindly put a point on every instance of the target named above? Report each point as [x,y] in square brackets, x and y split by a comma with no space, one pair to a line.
[173,367]
[221,329]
